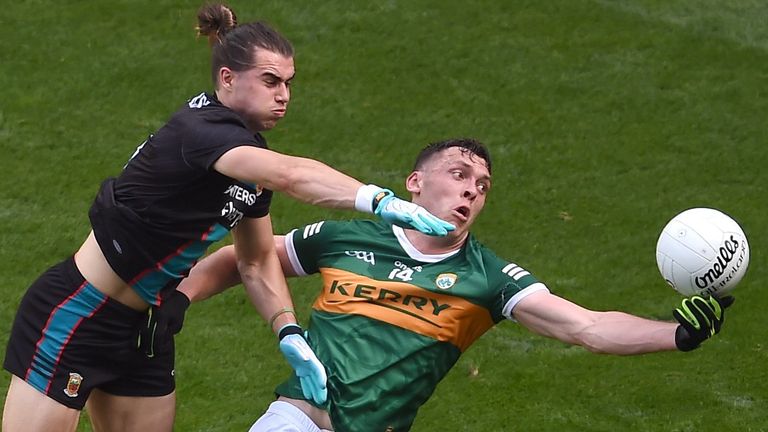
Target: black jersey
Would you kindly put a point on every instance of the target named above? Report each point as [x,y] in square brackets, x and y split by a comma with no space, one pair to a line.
[168,205]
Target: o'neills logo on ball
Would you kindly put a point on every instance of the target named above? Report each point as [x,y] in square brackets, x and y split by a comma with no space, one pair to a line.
[727,254]
[73,384]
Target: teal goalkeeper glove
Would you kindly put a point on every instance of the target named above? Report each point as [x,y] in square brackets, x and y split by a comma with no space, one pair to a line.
[700,318]
[383,203]
[304,362]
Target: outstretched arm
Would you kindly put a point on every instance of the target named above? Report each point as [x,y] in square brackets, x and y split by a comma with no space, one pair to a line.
[212,275]
[616,332]
[307,180]
[601,332]
[218,272]
[316,183]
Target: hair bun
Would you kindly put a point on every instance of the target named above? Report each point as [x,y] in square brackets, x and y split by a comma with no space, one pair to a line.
[214,21]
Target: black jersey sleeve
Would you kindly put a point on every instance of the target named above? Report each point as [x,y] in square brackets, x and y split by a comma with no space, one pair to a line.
[215,130]
[261,207]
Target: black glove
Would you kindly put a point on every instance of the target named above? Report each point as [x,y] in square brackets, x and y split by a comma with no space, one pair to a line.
[162,322]
[700,318]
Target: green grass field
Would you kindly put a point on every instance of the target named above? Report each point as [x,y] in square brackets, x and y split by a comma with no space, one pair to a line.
[605,118]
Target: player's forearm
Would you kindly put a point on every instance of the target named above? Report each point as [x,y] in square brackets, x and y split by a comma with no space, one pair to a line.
[266,287]
[212,275]
[316,183]
[623,334]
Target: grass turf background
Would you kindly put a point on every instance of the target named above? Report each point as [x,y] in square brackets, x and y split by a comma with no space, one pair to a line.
[604,118]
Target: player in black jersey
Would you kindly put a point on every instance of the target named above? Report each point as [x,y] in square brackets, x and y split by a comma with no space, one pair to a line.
[398,308]
[205,172]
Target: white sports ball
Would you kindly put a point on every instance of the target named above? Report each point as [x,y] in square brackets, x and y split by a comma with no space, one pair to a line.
[702,251]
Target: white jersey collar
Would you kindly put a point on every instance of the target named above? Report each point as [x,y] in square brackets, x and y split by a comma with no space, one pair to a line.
[414,253]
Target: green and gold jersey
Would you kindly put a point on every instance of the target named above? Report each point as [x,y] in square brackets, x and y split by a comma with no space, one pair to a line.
[390,321]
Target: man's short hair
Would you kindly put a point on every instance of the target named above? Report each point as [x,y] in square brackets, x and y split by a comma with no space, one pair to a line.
[474,147]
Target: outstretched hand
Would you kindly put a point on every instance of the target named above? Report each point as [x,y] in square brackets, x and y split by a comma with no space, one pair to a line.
[409,215]
[700,318]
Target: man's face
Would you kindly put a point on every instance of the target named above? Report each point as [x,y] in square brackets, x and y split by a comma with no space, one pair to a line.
[260,95]
[452,185]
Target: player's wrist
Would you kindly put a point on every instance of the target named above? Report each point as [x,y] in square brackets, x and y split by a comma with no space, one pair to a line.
[369,196]
[684,341]
[289,329]
[179,299]
[281,318]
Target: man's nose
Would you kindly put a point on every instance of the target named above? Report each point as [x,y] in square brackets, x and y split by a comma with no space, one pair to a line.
[470,194]
[283,94]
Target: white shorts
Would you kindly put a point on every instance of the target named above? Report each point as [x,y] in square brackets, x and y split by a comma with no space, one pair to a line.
[284,417]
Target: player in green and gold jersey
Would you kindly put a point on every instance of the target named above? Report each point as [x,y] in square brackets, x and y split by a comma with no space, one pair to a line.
[398,308]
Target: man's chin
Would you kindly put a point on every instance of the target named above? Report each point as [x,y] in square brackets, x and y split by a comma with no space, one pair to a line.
[263,125]
[457,220]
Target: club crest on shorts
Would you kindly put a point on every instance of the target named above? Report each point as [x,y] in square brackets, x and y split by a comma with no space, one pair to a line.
[73,384]
[445,280]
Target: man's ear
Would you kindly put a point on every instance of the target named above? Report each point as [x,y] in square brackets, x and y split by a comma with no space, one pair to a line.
[413,182]
[226,76]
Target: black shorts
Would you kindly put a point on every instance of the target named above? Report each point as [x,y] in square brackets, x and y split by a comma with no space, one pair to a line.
[69,338]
